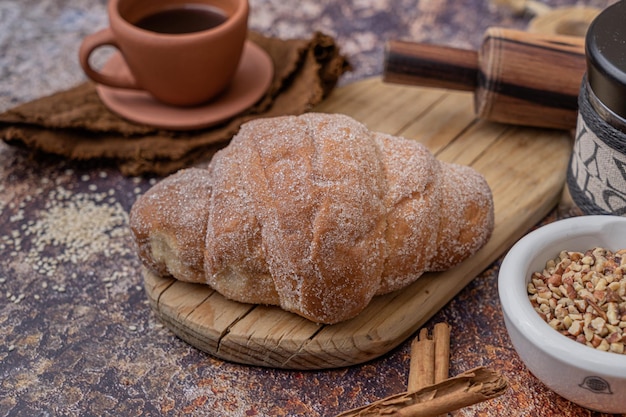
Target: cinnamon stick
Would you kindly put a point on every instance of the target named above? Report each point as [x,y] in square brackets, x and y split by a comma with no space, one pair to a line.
[422,364]
[470,387]
[430,358]
[441,335]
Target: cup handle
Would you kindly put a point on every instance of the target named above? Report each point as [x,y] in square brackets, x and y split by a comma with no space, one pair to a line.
[90,44]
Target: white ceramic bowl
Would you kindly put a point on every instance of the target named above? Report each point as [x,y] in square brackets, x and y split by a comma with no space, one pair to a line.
[585,376]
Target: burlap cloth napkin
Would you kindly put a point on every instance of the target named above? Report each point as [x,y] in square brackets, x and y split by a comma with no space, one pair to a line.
[76,125]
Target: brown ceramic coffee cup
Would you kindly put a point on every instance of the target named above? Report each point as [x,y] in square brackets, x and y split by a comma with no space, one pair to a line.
[182,52]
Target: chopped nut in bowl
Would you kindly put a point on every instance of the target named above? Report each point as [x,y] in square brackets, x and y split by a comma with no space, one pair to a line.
[562,289]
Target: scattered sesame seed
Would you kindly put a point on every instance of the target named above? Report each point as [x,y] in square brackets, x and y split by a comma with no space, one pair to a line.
[71,228]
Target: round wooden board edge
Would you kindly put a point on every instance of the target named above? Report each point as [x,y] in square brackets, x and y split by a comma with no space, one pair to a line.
[299,358]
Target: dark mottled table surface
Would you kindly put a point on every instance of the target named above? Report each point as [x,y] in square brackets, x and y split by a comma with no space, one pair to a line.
[77,336]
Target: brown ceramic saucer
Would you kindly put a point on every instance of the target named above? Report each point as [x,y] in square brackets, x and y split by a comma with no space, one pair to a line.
[251,81]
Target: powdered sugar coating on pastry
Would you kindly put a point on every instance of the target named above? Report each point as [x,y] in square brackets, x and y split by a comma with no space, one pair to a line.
[317,214]
[169,224]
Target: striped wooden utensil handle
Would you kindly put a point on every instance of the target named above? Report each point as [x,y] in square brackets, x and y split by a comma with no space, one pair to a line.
[518,77]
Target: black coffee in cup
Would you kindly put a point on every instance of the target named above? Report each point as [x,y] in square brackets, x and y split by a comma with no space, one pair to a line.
[186,18]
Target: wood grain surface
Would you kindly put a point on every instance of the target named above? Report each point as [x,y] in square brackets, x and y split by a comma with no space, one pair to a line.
[524,167]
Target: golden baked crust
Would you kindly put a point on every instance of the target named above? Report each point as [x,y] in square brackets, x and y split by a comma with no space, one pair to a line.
[315,214]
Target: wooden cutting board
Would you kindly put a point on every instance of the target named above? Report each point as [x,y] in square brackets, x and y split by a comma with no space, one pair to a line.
[526,171]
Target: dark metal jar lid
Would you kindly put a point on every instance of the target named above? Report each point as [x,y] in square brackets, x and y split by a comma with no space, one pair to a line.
[605,47]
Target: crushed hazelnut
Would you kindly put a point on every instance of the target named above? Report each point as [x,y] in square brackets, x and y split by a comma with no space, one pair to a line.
[583,297]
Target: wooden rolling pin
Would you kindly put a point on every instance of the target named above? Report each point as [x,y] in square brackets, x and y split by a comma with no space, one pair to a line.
[518,77]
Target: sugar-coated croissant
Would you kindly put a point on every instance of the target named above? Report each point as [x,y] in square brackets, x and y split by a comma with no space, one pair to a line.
[315,214]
